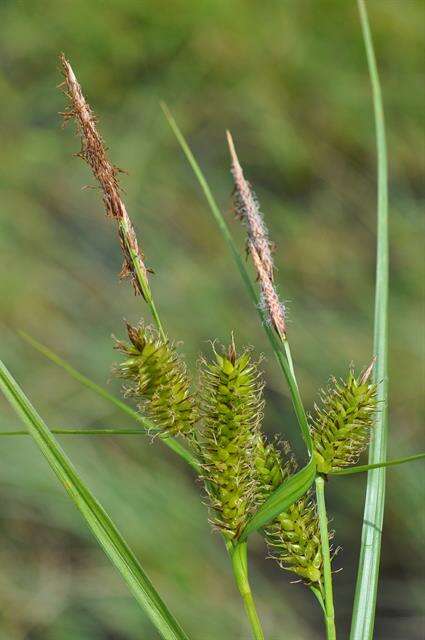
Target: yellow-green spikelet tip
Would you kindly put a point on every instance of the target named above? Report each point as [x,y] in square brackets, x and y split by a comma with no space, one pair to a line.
[341,426]
[158,378]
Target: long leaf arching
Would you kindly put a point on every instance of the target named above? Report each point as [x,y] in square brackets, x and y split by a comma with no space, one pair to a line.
[109,538]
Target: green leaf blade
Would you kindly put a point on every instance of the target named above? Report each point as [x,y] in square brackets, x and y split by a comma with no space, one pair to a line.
[106,533]
[363,618]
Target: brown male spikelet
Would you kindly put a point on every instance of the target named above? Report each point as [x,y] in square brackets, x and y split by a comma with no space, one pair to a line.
[247,208]
[93,151]
[159,379]
[231,411]
[341,426]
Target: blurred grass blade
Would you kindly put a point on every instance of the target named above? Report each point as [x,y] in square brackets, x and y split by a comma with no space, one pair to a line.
[363,619]
[97,519]
[285,495]
[277,347]
[379,465]
[82,431]
[147,425]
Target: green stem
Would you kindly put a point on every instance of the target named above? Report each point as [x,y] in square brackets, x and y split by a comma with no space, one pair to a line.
[327,571]
[378,465]
[157,320]
[238,555]
[140,275]
[289,359]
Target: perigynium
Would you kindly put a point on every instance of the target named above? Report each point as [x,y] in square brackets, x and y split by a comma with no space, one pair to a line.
[231,410]
[158,379]
[293,537]
[341,425]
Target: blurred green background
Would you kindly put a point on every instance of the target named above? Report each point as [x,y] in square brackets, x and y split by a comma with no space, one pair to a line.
[289,79]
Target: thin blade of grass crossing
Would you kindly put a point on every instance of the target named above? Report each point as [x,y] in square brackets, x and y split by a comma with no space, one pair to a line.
[363,618]
[106,533]
[146,424]
[378,465]
[277,347]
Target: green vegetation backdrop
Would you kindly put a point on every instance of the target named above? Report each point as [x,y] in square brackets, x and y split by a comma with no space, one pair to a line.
[289,79]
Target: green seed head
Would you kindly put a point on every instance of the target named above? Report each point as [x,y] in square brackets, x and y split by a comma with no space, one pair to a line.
[231,409]
[293,537]
[158,377]
[341,426]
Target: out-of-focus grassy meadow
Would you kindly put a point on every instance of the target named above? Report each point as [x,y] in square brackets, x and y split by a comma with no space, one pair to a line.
[289,79]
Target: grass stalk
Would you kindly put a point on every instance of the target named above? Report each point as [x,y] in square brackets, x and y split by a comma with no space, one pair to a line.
[239,559]
[329,614]
[368,570]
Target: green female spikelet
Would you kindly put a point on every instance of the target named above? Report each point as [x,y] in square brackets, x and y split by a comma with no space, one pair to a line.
[293,537]
[341,426]
[231,410]
[158,377]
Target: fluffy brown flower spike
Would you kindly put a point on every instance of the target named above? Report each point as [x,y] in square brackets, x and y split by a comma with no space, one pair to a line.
[247,208]
[93,151]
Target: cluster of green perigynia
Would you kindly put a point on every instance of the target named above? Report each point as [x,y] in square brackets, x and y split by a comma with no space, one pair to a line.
[293,537]
[158,378]
[240,467]
[341,426]
[231,410]
[294,540]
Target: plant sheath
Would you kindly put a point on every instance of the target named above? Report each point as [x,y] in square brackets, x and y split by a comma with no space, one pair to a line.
[238,554]
[327,571]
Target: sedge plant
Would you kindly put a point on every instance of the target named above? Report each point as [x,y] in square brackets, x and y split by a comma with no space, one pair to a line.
[251,483]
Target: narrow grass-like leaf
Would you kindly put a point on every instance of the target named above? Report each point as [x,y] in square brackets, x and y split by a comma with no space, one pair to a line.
[82,431]
[147,425]
[107,535]
[111,431]
[280,349]
[377,465]
[363,619]
[283,497]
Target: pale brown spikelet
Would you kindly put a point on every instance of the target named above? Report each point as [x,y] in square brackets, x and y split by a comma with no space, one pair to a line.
[93,151]
[258,245]
[269,298]
[248,209]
